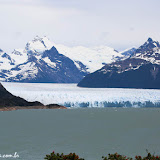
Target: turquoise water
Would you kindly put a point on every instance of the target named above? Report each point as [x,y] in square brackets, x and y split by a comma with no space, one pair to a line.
[91,133]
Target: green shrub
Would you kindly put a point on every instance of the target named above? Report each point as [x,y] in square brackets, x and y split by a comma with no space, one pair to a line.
[57,156]
[148,157]
[116,156]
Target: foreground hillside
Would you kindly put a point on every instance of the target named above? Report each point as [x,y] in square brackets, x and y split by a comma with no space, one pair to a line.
[11,102]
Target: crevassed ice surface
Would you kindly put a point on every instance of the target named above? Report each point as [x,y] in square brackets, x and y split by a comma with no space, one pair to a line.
[72,96]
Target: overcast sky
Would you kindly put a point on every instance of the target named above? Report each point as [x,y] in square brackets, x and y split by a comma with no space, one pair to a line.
[116,23]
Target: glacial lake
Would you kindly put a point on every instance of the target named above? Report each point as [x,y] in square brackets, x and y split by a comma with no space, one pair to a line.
[90,132]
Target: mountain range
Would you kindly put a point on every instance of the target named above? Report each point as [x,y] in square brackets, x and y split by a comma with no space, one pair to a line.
[140,70]
[44,61]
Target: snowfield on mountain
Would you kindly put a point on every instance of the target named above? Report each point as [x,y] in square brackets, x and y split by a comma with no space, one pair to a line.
[44,61]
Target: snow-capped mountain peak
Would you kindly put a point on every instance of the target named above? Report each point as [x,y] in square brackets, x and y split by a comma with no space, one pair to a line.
[149,51]
[150,39]
[38,45]
[151,43]
[35,47]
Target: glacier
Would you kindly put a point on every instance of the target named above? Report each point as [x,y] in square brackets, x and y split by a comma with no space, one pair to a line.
[93,58]
[72,96]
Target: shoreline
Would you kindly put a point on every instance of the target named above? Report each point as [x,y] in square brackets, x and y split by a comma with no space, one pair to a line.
[31,107]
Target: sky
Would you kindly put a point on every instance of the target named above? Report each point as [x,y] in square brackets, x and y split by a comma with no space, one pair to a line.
[119,24]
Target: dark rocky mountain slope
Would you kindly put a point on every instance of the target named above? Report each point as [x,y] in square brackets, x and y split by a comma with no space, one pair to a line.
[142,70]
[51,67]
[9,100]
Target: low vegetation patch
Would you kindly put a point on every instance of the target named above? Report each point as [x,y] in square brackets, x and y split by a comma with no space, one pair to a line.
[115,156]
[57,156]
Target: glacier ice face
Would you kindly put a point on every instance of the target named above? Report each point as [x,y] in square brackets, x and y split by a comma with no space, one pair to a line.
[72,96]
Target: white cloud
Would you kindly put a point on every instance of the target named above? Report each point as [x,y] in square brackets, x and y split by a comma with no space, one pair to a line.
[79,22]
[30,20]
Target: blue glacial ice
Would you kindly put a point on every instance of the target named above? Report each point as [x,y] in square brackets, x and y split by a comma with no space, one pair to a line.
[72,96]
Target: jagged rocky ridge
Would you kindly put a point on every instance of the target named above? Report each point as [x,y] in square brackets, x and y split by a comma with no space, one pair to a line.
[141,70]
[44,61]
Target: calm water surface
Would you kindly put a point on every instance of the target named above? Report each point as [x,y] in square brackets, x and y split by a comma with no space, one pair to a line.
[91,133]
